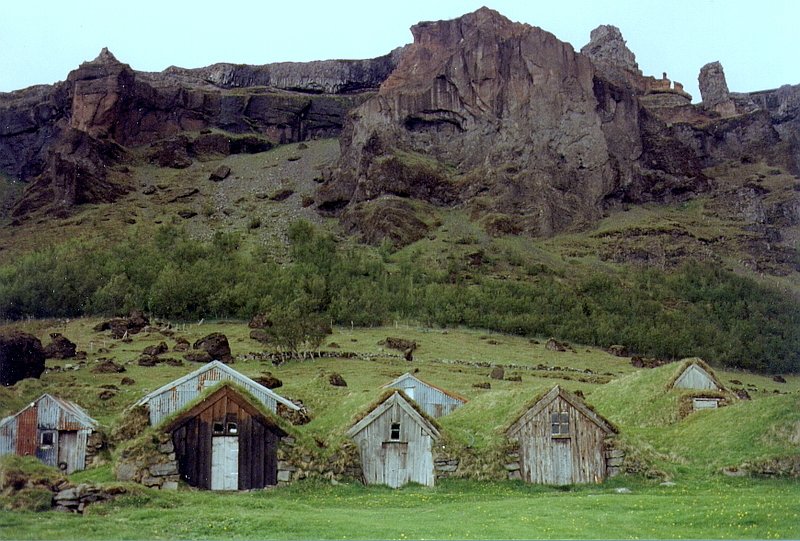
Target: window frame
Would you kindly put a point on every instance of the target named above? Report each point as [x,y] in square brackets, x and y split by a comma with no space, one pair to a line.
[559,425]
[53,439]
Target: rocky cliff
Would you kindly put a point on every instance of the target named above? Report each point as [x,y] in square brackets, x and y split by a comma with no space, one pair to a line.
[528,133]
[498,117]
[64,138]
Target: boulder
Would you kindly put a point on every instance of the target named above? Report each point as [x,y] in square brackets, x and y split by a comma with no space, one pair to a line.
[121,327]
[554,345]
[198,357]
[156,350]
[337,380]
[220,173]
[618,350]
[398,343]
[268,380]
[216,345]
[181,344]
[148,361]
[21,356]
[259,335]
[260,321]
[108,367]
[60,347]
[497,372]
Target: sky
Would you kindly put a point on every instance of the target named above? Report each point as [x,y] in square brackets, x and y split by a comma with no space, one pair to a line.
[41,42]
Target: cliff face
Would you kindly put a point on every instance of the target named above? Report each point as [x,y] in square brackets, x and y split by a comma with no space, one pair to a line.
[506,119]
[524,125]
[50,135]
[499,117]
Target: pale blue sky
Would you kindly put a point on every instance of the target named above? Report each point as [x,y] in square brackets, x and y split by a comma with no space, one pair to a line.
[40,42]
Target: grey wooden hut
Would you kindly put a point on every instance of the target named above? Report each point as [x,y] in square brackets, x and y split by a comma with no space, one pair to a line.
[561,440]
[395,441]
[226,442]
[54,430]
[175,395]
[433,400]
[696,374]
[701,384]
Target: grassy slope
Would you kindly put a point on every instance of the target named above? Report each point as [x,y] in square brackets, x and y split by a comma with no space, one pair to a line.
[701,505]
[690,449]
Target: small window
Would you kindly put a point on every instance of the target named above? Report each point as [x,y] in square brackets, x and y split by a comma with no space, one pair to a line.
[394,434]
[219,428]
[233,428]
[48,439]
[559,424]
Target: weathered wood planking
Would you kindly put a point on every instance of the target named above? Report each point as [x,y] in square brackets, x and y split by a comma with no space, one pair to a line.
[396,444]
[54,430]
[433,400]
[695,377]
[572,452]
[175,395]
[226,415]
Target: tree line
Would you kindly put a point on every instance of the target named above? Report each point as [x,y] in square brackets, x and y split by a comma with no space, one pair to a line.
[696,310]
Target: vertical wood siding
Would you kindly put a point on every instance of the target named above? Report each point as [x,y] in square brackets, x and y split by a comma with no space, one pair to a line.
[695,377]
[579,458]
[395,463]
[177,397]
[433,401]
[258,446]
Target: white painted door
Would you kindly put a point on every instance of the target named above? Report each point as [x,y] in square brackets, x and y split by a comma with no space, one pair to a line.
[225,463]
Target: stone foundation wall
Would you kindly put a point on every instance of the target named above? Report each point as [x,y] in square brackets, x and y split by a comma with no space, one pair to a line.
[156,469]
[75,499]
[159,467]
[295,463]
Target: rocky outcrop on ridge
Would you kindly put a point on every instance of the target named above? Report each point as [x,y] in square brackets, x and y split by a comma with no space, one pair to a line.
[484,111]
[507,120]
[714,89]
[65,138]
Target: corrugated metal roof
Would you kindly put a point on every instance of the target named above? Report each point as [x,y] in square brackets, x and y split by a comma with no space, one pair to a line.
[236,376]
[70,407]
[451,394]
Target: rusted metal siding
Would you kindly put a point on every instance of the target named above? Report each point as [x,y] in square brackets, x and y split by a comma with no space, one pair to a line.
[433,401]
[578,457]
[396,462]
[27,433]
[68,423]
[175,398]
[694,377]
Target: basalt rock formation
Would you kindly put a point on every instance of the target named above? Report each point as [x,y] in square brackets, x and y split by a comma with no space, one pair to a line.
[501,118]
[65,139]
[506,119]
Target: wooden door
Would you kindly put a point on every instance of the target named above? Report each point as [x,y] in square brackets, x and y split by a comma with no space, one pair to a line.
[395,458]
[68,451]
[225,463]
[562,461]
